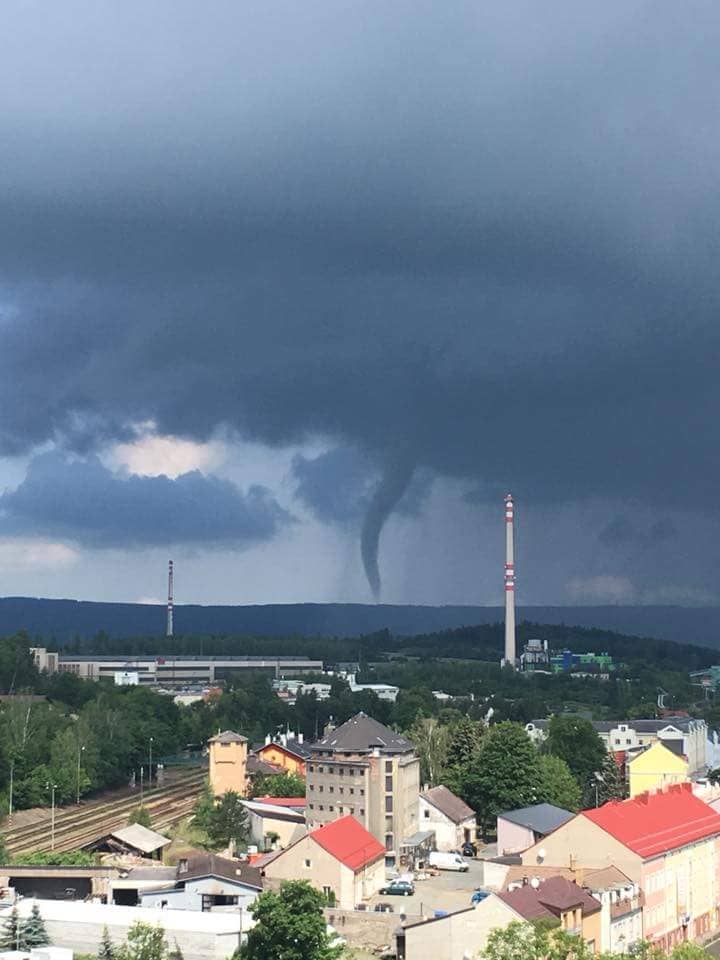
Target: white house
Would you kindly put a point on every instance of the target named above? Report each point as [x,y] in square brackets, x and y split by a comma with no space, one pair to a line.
[450,817]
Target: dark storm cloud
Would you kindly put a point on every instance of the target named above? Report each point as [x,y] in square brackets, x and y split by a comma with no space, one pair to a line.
[86,503]
[621,531]
[339,485]
[483,234]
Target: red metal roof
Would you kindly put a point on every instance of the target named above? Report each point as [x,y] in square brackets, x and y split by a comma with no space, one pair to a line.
[282,801]
[654,823]
[349,842]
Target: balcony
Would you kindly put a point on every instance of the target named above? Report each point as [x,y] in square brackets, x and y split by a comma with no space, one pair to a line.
[627,905]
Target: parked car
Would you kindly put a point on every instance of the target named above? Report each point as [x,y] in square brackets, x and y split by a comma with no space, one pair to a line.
[398,888]
[384,908]
[447,861]
[479,896]
[468,849]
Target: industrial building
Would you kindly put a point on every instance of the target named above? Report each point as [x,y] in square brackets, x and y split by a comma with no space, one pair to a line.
[167,670]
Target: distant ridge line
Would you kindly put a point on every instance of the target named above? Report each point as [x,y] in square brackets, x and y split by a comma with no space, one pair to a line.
[64,620]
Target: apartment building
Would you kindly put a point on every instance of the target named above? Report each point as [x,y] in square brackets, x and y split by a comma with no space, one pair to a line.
[365,769]
[668,843]
[685,736]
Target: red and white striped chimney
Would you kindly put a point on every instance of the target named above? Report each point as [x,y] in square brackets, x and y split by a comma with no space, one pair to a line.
[509,658]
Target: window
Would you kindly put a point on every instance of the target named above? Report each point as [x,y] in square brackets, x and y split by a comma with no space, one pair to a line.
[341,771]
[362,811]
[311,786]
[362,792]
[388,784]
[331,789]
[321,788]
[426,814]
[312,806]
[388,841]
[389,804]
[352,789]
[321,807]
[311,768]
[331,809]
[341,790]
[308,864]
[320,769]
[388,766]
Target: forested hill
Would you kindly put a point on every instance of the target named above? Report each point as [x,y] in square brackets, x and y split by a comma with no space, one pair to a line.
[65,620]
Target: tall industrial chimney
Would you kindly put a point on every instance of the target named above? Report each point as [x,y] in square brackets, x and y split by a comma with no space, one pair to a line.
[170,600]
[509,658]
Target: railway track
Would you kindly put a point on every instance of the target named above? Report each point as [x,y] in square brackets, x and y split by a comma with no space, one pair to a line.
[79,827]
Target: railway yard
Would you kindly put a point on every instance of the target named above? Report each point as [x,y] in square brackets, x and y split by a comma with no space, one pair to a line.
[80,826]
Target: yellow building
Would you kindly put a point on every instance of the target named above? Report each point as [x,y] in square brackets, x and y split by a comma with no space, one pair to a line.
[656,768]
[228,763]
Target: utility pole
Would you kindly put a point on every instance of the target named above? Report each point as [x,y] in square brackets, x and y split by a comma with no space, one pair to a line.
[12,783]
[52,787]
[142,783]
[150,770]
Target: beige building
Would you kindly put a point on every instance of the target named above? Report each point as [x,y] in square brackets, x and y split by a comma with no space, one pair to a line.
[274,827]
[228,763]
[341,860]
[451,819]
[367,770]
[457,935]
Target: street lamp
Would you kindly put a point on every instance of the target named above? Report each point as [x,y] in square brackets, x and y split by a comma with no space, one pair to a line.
[150,770]
[599,778]
[142,783]
[52,787]
[81,750]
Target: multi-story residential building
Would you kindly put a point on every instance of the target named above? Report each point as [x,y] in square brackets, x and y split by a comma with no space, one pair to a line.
[686,736]
[667,843]
[365,769]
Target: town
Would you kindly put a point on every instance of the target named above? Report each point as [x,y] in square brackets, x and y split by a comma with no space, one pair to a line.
[434,839]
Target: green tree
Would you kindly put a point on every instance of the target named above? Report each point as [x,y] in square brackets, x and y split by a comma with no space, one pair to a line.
[204,806]
[227,821]
[575,741]
[557,784]
[290,925]
[534,941]
[431,742]
[11,932]
[464,740]
[610,784]
[33,932]
[144,942]
[504,774]
[106,950]
[279,785]
[141,815]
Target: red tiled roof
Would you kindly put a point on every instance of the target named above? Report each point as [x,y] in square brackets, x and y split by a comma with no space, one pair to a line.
[282,801]
[349,842]
[653,823]
[551,898]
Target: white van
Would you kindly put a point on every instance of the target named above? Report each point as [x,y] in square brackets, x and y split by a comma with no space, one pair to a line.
[447,861]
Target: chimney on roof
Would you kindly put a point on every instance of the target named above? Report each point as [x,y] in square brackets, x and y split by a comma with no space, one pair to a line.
[268,739]
[300,738]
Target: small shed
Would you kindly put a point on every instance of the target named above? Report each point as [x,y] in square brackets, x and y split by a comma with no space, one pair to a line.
[135,839]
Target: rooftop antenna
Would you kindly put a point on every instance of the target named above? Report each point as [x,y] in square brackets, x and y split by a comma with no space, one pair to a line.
[509,658]
[169,632]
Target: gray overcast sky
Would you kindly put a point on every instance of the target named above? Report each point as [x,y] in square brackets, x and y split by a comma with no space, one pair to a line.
[256,257]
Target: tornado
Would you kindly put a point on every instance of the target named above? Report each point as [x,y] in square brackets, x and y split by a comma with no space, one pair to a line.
[396,476]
